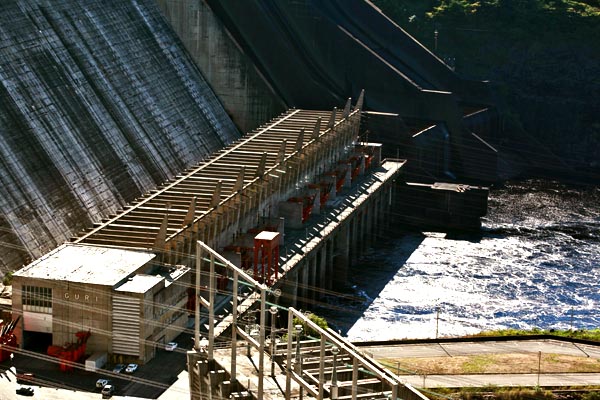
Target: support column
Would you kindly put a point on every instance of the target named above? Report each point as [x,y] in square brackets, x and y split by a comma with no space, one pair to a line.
[379,217]
[329,263]
[361,234]
[357,237]
[312,277]
[303,283]
[198,368]
[370,222]
[322,266]
[348,180]
[341,258]
[293,289]
[366,228]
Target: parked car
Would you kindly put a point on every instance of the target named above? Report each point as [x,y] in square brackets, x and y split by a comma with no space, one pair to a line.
[131,368]
[100,383]
[108,391]
[171,346]
[118,368]
[25,391]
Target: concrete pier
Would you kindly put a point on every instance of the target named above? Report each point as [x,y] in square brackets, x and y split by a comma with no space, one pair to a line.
[329,239]
[274,220]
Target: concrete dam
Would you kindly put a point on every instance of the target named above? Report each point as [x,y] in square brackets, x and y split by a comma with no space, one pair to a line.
[100,103]
[192,155]
[103,101]
[315,55]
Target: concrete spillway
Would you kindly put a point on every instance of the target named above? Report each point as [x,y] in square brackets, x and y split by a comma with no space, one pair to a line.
[99,103]
[315,54]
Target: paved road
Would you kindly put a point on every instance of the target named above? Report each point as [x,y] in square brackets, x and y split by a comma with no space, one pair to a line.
[507,380]
[148,382]
[168,366]
[491,347]
[488,347]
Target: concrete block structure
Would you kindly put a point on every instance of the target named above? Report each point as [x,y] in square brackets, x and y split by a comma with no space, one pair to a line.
[130,304]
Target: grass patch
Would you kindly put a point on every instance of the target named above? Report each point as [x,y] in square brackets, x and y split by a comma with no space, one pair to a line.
[495,393]
[517,363]
[588,334]
[478,364]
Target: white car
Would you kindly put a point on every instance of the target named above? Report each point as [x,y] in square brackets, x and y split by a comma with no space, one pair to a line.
[108,391]
[131,368]
[100,383]
[171,346]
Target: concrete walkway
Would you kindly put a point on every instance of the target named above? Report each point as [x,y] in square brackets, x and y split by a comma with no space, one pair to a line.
[506,380]
[547,346]
[274,388]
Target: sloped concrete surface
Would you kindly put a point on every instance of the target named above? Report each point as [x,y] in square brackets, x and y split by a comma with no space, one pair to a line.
[99,103]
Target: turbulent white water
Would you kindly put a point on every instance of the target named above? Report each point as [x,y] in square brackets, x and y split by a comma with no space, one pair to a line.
[536,263]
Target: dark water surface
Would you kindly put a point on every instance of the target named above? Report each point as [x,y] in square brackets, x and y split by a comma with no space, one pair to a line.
[536,263]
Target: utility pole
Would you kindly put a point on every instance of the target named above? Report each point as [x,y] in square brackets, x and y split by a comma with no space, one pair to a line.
[273,311]
[298,366]
[334,388]
[437,322]
[571,329]
[539,367]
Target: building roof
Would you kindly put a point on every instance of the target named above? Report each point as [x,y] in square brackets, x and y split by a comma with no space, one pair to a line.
[139,283]
[86,264]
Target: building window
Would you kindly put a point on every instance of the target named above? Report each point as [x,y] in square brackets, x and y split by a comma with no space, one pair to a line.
[37,299]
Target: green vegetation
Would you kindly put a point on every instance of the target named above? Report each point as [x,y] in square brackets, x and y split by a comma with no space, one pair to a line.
[476,364]
[7,279]
[591,396]
[492,393]
[512,8]
[320,321]
[503,363]
[541,56]
[484,36]
[588,334]
[306,330]
[518,393]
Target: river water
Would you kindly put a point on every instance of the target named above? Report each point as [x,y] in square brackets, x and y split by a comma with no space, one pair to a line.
[535,263]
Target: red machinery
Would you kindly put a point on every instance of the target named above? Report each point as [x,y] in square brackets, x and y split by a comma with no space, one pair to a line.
[340,174]
[190,305]
[266,254]
[326,190]
[307,205]
[368,160]
[70,352]
[355,162]
[7,338]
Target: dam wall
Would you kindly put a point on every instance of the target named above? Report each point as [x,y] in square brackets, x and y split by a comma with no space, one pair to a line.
[244,91]
[317,54]
[103,101]
[99,103]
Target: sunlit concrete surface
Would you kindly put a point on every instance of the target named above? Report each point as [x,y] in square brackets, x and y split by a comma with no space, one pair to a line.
[492,347]
[442,349]
[8,392]
[178,390]
[504,380]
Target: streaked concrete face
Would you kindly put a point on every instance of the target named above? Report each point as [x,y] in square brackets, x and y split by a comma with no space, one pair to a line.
[225,202]
[100,104]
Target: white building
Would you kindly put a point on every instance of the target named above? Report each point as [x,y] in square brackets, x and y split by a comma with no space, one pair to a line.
[130,303]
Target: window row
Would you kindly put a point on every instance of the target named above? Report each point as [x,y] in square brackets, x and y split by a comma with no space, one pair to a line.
[38,299]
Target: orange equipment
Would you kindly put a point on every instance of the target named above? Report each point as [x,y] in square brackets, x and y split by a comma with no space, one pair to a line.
[307,205]
[7,338]
[71,352]
[266,251]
